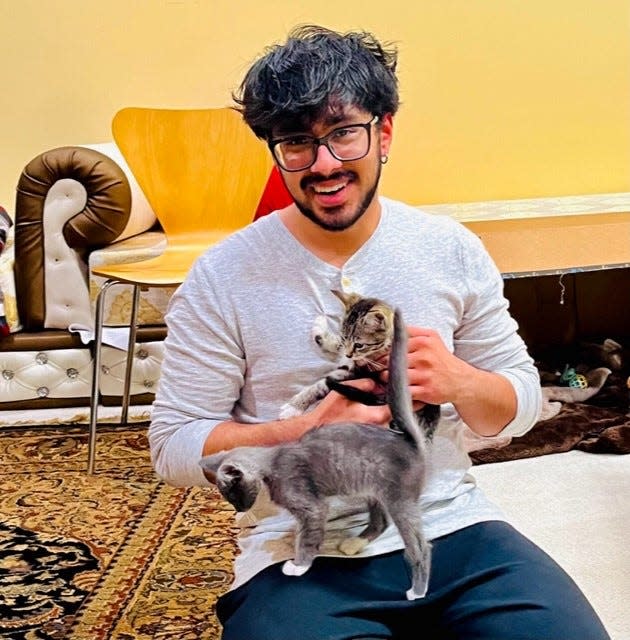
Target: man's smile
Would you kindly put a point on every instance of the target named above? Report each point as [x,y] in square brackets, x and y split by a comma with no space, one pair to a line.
[330,192]
[329,188]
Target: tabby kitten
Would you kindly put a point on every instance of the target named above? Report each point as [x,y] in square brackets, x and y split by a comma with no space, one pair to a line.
[345,459]
[365,337]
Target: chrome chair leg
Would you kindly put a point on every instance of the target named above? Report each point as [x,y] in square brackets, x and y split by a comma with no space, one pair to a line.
[131,347]
[96,372]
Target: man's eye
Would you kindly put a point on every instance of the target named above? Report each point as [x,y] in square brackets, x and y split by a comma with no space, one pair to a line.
[298,141]
[344,133]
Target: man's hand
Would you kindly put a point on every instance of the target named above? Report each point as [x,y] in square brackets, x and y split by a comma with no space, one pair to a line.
[337,408]
[436,375]
[485,400]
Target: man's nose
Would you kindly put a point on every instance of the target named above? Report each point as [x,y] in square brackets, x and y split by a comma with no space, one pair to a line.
[325,163]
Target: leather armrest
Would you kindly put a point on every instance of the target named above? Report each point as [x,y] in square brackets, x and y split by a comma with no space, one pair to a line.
[70,200]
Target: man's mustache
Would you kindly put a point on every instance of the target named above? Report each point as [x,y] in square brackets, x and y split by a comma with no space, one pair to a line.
[307,181]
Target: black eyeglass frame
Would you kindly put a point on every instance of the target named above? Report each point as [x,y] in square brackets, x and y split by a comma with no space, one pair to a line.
[324,140]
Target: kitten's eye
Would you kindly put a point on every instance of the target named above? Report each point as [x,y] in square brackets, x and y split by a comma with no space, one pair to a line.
[358,345]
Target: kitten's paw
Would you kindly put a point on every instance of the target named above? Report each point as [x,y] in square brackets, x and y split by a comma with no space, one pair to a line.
[324,339]
[289,411]
[319,330]
[289,568]
[418,589]
[352,546]
[412,594]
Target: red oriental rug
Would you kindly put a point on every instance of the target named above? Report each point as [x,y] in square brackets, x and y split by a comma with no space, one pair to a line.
[116,555]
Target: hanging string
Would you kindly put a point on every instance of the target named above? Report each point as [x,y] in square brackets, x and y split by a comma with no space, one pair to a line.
[562,288]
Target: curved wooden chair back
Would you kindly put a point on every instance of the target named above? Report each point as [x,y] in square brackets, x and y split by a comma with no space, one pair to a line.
[202,170]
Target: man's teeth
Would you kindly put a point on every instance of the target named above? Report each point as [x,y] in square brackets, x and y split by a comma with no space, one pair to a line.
[332,189]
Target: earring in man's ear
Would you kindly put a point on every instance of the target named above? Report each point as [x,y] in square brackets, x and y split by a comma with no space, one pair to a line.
[384,159]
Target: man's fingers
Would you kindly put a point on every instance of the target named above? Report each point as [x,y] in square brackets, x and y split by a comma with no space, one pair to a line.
[422,332]
[364,384]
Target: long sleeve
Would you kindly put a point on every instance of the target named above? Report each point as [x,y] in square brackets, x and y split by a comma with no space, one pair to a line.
[202,374]
[488,339]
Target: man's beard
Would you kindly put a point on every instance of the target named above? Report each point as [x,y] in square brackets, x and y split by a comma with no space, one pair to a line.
[341,224]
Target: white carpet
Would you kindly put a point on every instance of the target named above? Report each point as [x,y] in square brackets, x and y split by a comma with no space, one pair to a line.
[576,506]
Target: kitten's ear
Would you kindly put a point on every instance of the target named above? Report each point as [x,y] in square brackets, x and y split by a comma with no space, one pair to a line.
[347,298]
[212,462]
[376,320]
[232,473]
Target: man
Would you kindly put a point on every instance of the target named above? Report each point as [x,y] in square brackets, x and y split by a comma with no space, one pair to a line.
[239,346]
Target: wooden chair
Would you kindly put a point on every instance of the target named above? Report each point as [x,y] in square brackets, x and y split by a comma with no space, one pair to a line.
[203,171]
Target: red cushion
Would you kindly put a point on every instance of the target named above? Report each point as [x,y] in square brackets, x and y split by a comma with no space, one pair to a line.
[275,196]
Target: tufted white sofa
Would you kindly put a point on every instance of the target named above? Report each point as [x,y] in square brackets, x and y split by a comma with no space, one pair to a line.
[75,207]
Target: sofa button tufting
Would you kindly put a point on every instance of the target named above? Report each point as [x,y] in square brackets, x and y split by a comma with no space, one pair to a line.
[41,358]
[42,392]
[7,374]
[142,354]
[148,384]
[72,373]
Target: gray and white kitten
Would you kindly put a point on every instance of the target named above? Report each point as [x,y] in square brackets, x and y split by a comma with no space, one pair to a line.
[364,338]
[345,459]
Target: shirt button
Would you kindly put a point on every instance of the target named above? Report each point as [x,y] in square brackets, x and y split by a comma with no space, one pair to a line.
[346,282]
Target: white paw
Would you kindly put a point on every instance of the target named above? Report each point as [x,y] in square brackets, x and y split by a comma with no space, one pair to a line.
[413,595]
[289,411]
[352,546]
[319,330]
[327,341]
[289,568]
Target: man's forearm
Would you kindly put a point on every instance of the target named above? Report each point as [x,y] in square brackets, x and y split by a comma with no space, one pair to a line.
[488,403]
[334,408]
[228,435]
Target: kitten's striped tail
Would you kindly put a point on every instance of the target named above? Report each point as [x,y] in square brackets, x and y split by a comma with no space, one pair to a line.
[398,394]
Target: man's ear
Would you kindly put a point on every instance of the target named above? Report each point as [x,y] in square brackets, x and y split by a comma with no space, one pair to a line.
[211,463]
[386,130]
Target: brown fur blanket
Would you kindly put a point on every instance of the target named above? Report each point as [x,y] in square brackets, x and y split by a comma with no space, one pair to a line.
[600,426]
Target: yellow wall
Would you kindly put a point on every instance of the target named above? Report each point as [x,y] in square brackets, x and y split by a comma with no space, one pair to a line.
[501,98]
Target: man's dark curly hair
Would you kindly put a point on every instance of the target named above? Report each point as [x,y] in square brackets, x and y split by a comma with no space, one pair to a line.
[317,70]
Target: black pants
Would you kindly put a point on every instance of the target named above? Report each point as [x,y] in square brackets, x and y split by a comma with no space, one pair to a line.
[487,582]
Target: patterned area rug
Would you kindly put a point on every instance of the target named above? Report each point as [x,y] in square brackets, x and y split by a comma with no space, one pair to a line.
[116,555]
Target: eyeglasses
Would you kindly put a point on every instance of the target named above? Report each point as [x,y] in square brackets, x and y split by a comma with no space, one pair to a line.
[299,152]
